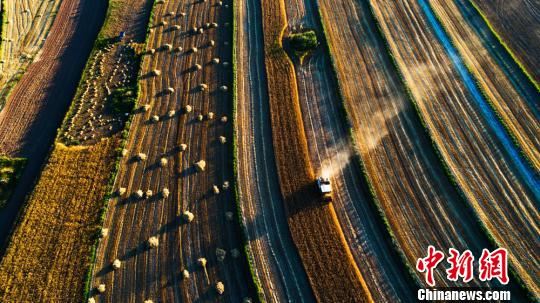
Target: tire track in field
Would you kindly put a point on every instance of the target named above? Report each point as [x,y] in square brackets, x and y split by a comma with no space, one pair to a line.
[277,264]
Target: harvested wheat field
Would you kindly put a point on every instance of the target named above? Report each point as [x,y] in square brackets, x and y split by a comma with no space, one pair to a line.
[520,114]
[269,151]
[47,257]
[25,26]
[331,269]
[494,178]
[516,22]
[422,206]
[276,262]
[169,228]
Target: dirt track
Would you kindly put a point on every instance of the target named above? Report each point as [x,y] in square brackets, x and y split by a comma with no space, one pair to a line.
[157,273]
[331,152]
[277,263]
[38,103]
[514,21]
[476,157]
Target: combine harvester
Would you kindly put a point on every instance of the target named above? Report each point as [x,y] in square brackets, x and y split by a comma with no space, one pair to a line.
[325,188]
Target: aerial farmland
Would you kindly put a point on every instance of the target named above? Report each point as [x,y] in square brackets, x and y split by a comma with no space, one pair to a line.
[269,151]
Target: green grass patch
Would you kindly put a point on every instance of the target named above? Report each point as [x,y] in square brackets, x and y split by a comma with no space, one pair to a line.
[10,171]
[301,44]
[122,100]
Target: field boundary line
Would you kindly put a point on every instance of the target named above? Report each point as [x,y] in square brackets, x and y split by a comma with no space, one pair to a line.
[448,172]
[248,254]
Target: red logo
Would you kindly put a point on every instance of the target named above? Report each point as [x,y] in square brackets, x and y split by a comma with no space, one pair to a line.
[429,263]
[490,265]
[460,265]
[494,265]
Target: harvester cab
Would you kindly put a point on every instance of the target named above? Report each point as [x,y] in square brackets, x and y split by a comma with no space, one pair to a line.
[325,188]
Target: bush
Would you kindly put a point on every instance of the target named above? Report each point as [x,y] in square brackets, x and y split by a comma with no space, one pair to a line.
[302,43]
[122,100]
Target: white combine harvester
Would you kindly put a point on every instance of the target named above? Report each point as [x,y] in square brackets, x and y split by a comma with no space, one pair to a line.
[325,188]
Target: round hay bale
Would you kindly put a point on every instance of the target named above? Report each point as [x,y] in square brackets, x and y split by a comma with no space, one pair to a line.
[163,23]
[220,288]
[211,43]
[146,107]
[224,119]
[188,108]
[91,300]
[149,193]
[215,189]
[121,191]
[124,152]
[203,87]
[225,64]
[139,194]
[148,301]
[210,115]
[182,14]
[213,25]
[197,67]
[160,1]
[141,156]
[165,192]
[220,3]
[116,264]
[151,51]
[225,185]
[153,242]
[163,162]
[171,113]
[194,29]
[235,253]
[200,166]
[223,88]
[183,147]
[167,47]
[200,117]
[229,216]
[170,14]
[222,140]
[156,72]
[170,90]
[185,274]
[246,300]
[194,49]
[176,27]
[104,232]
[201,30]
[221,254]
[155,118]
[188,216]
[178,49]
[101,288]
[215,60]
